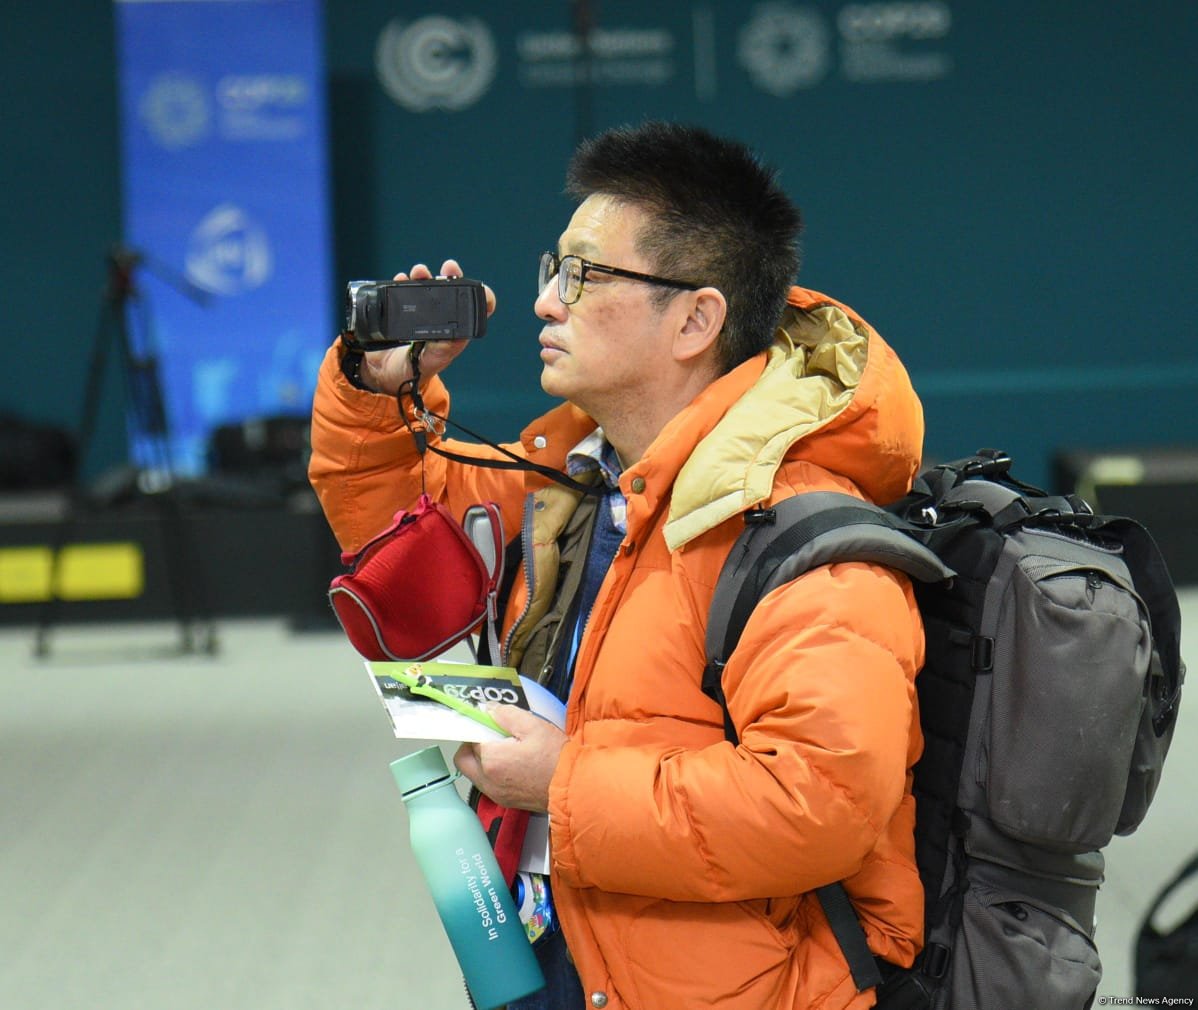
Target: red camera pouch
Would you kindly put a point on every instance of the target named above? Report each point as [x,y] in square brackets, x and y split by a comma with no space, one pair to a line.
[505,828]
[421,585]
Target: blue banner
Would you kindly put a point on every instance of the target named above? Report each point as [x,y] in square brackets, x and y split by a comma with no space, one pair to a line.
[225,213]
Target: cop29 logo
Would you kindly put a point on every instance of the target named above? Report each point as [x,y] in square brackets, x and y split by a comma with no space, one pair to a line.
[175,109]
[435,62]
[785,48]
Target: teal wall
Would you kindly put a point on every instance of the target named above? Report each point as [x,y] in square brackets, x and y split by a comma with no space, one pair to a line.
[59,208]
[1009,198]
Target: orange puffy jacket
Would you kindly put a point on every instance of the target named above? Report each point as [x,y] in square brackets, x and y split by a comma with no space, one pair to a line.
[682,865]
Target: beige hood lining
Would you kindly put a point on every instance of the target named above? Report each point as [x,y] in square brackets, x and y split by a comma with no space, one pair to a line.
[811,374]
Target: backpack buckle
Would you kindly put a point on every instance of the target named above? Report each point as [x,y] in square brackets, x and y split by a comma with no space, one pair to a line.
[988,463]
[903,989]
[935,960]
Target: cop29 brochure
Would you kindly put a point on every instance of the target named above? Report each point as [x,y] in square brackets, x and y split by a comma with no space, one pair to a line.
[443,701]
[446,701]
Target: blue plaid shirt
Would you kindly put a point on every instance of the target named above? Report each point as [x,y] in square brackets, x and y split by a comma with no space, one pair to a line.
[593,453]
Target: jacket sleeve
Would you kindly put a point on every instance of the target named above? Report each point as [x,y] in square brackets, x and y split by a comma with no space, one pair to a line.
[365,466]
[821,689]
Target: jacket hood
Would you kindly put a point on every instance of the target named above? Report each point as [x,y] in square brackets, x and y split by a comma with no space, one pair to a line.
[831,393]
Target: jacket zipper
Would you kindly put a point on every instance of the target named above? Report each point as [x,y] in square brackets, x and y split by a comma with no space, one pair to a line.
[526,560]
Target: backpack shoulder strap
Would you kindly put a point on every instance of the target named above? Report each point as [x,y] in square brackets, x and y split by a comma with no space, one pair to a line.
[778,545]
[796,535]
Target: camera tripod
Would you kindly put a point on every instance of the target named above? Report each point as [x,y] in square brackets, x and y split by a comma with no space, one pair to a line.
[152,477]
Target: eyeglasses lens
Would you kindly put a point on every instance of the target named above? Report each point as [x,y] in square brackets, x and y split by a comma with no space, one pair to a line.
[548,268]
[569,281]
[568,271]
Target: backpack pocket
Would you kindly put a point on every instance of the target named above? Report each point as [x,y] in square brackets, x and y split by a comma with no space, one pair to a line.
[1071,654]
[1010,951]
[1148,756]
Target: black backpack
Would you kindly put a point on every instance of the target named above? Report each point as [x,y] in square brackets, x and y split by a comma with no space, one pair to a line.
[1047,701]
[1166,956]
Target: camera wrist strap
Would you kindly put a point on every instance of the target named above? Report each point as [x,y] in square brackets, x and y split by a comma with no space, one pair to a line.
[428,421]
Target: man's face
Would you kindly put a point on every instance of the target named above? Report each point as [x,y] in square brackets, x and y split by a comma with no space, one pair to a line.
[607,346]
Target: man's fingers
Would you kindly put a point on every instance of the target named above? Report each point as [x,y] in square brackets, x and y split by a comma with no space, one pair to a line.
[517,721]
[466,761]
[450,268]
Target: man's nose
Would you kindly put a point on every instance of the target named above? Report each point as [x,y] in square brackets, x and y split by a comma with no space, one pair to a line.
[548,305]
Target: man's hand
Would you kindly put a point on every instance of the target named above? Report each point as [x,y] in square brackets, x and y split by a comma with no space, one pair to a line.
[515,771]
[385,371]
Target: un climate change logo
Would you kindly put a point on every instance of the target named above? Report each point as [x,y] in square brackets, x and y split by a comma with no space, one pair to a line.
[435,62]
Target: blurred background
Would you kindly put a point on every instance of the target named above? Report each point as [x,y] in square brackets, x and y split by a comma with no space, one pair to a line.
[1005,190]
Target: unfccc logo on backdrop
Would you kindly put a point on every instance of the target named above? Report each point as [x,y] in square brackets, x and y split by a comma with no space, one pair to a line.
[229,253]
[435,62]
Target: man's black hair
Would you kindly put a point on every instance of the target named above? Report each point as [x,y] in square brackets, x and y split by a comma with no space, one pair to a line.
[717,217]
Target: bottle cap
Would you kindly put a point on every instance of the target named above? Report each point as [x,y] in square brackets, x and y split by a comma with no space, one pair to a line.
[423,768]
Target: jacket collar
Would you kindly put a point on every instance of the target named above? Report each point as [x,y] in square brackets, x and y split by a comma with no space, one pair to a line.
[829,383]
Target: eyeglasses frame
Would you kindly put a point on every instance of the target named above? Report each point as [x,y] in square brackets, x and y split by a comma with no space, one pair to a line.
[602,268]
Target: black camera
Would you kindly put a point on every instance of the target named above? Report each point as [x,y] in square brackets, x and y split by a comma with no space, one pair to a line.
[381,314]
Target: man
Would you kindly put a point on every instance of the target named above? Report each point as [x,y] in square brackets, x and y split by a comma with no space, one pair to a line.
[699,384]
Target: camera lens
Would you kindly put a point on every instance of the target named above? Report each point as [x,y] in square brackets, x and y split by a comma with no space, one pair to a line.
[353,315]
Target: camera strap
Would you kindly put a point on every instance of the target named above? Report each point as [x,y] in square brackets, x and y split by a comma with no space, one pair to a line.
[430,421]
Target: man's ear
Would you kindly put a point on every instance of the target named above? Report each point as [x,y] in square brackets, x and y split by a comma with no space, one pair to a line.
[707,310]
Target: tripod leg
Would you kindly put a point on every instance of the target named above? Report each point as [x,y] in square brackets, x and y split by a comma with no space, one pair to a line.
[50,611]
[185,575]
[184,571]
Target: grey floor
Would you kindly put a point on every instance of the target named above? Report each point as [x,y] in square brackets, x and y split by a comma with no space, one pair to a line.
[193,833]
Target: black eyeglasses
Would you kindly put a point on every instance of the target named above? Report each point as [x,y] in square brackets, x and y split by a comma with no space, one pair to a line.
[572,273]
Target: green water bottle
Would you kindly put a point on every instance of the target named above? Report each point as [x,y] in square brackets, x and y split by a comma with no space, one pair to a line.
[465,882]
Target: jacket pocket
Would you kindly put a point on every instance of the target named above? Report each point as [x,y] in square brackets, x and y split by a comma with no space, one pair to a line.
[729,955]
